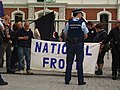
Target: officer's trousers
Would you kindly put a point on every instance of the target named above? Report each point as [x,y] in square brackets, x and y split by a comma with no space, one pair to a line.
[72,50]
[115,60]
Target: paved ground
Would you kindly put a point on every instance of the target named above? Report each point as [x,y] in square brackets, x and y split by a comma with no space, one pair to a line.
[48,80]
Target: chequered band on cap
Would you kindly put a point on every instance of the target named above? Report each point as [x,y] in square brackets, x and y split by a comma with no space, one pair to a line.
[77,10]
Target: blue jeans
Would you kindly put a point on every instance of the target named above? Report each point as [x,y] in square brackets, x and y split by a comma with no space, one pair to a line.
[24,51]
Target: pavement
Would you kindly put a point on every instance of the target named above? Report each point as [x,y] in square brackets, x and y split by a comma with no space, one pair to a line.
[52,80]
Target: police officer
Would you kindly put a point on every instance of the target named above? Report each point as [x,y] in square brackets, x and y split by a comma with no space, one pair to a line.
[2,82]
[114,35]
[75,32]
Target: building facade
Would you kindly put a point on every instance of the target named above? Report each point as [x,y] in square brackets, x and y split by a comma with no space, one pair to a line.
[104,11]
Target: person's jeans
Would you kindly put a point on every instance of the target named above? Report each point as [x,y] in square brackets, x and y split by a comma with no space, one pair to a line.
[24,51]
[6,47]
[0,55]
[14,58]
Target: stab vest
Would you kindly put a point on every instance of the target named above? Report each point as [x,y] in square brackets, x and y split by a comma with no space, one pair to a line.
[75,30]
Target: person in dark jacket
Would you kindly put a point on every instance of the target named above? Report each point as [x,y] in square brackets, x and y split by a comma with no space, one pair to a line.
[2,82]
[14,57]
[101,35]
[6,47]
[92,32]
[114,35]
[24,44]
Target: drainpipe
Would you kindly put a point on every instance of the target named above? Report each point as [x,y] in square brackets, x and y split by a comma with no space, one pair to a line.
[44,6]
[118,9]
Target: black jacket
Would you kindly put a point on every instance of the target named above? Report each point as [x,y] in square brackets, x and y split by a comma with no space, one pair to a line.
[25,43]
[114,35]
[101,36]
[91,35]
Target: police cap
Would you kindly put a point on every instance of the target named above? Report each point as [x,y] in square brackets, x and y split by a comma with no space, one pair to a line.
[78,10]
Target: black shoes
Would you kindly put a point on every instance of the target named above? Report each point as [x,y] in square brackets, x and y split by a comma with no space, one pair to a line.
[66,83]
[29,72]
[3,83]
[99,72]
[10,71]
[114,77]
[83,83]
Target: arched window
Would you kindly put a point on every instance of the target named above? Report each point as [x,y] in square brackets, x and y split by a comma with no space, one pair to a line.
[18,17]
[42,14]
[104,21]
[104,17]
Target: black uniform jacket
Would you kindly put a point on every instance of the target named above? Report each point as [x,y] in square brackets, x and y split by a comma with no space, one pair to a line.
[114,35]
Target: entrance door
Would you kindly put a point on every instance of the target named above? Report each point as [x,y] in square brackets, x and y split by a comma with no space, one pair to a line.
[104,21]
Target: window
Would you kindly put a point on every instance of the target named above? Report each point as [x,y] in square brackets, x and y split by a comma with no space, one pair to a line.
[18,17]
[104,21]
[46,0]
[40,0]
[42,14]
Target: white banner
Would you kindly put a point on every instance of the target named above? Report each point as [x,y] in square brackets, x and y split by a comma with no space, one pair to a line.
[49,55]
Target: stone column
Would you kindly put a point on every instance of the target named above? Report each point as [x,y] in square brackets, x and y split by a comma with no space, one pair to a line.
[61,17]
[118,12]
[31,17]
[118,9]
[32,1]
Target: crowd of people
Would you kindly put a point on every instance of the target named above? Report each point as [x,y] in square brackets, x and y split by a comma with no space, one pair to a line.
[76,32]
[108,41]
[20,39]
